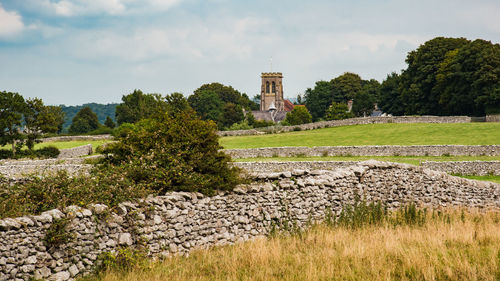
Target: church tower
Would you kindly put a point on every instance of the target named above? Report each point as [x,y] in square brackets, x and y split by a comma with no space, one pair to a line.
[271,91]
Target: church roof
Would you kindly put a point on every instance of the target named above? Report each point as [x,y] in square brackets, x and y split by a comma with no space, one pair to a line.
[288,105]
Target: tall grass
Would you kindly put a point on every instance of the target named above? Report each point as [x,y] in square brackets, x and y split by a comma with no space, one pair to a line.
[447,245]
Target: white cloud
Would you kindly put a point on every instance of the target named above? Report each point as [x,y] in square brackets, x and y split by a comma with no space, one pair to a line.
[10,23]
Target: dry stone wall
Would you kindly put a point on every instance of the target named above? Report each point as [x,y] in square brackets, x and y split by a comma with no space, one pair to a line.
[376,150]
[180,222]
[351,121]
[480,168]
[75,151]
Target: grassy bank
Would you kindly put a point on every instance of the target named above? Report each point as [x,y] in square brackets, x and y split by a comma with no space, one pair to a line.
[376,134]
[483,178]
[454,246]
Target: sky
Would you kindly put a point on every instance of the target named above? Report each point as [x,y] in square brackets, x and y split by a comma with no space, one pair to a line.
[79,51]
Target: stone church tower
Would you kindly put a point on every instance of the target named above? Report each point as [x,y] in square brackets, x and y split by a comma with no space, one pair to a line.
[271,91]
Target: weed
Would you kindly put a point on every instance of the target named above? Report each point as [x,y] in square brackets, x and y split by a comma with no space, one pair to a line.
[57,233]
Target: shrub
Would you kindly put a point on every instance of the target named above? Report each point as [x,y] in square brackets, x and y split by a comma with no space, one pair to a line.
[338,111]
[57,233]
[47,152]
[5,153]
[123,130]
[178,153]
[299,115]
[102,130]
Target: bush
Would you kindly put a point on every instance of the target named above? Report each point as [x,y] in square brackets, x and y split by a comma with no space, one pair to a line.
[299,115]
[47,152]
[123,130]
[168,153]
[5,153]
[102,130]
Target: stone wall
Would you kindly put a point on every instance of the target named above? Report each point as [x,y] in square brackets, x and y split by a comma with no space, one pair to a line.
[479,168]
[351,121]
[493,118]
[180,222]
[78,138]
[376,150]
[83,150]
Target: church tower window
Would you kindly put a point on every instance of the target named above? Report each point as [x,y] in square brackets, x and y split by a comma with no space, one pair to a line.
[267,87]
[274,87]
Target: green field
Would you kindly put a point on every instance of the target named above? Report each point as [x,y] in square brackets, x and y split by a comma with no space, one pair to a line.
[71,144]
[483,178]
[414,160]
[376,134]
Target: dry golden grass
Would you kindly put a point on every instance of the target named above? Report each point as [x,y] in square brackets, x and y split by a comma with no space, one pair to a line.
[465,248]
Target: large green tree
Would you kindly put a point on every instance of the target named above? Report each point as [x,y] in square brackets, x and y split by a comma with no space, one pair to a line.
[84,121]
[338,111]
[468,80]
[419,79]
[12,108]
[137,105]
[390,97]
[318,99]
[226,106]
[51,119]
[32,121]
[346,86]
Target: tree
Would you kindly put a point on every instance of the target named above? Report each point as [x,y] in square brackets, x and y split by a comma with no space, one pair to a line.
[208,105]
[318,99]
[84,121]
[346,86]
[33,122]
[137,105]
[365,100]
[225,95]
[51,119]
[390,97]
[299,115]
[109,123]
[232,114]
[338,111]
[418,80]
[12,108]
[176,103]
[468,78]
[179,152]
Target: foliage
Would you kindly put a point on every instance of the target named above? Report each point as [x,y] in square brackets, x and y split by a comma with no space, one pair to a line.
[84,121]
[243,125]
[346,86]
[176,103]
[319,99]
[232,114]
[51,119]
[37,195]
[390,98]
[12,108]
[123,130]
[125,259]
[167,153]
[33,122]
[208,105]
[220,103]
[137,105]
[418,80]
[47,152]
[109,123]
[101,110]
[299,115]
[57,233]
[338,111]
[446,76]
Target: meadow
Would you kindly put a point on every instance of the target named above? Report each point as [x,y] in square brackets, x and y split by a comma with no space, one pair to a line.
[453,245]
[376,134]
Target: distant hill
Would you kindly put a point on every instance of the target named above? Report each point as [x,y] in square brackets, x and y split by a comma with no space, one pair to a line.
[102,111]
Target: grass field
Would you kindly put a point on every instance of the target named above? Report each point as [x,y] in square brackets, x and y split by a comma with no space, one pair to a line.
[483,178]
[65,144]
[464,246]
[376,134]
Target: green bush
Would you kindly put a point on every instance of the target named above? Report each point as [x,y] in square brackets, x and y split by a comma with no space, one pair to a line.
[102,130]
[123,130]
[299,115]
[178,153]
[47,152]
[57,234]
